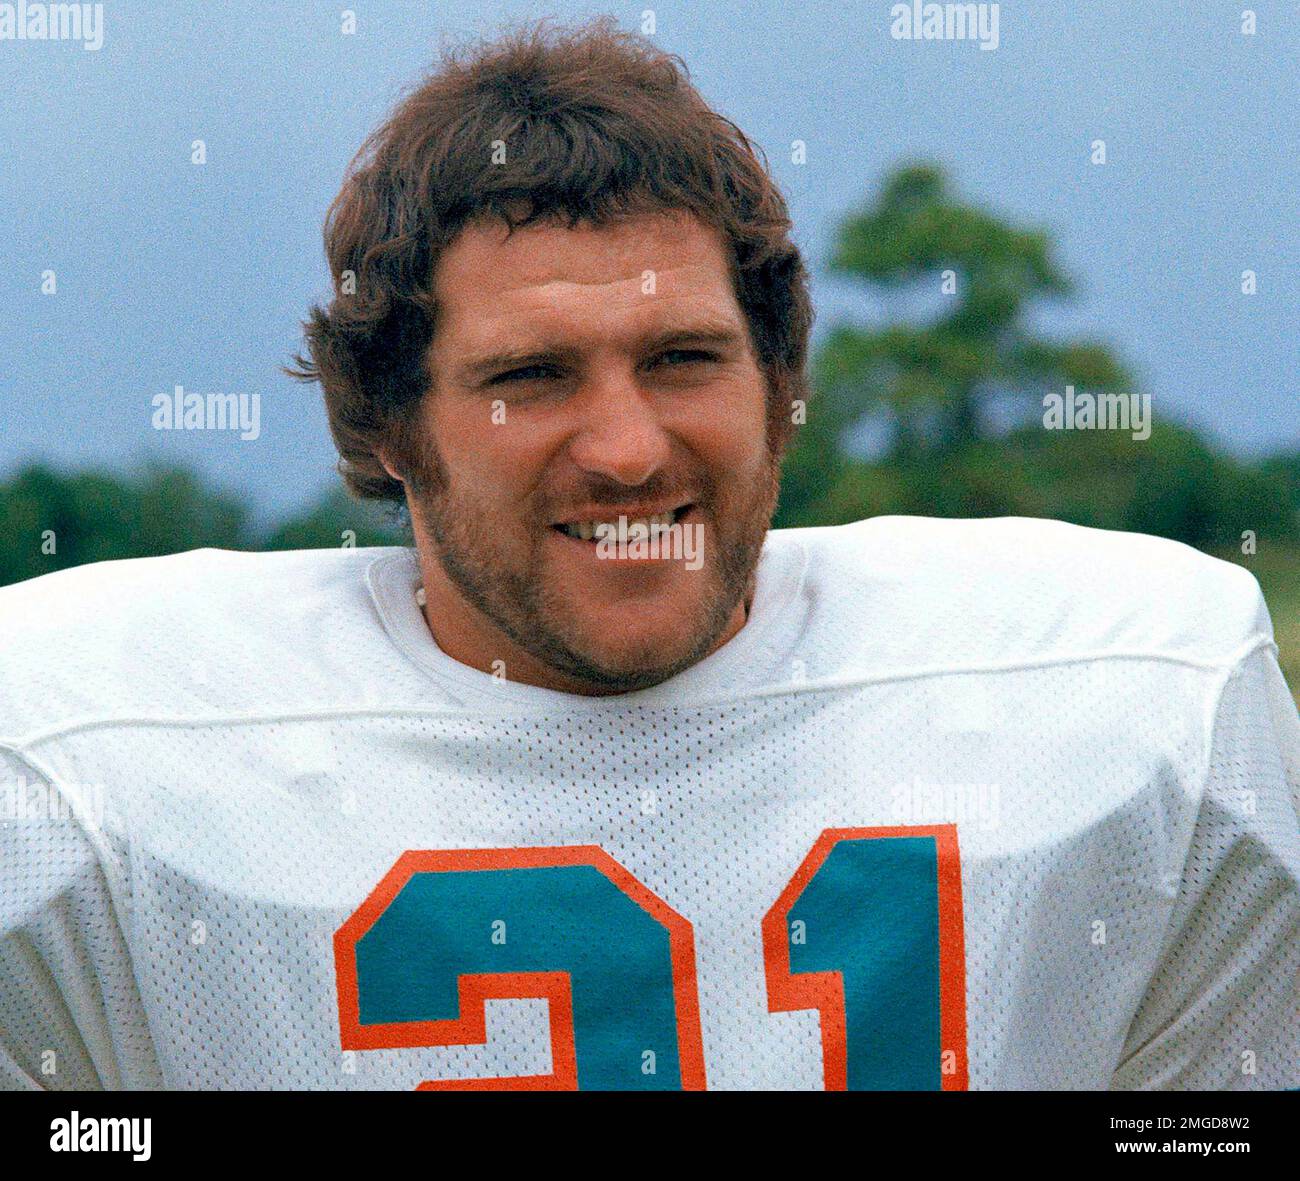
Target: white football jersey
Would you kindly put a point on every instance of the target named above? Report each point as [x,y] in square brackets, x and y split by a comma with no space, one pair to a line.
[989,804]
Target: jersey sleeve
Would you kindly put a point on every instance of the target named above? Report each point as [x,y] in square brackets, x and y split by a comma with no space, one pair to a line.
[70,1014]
[1222,1011]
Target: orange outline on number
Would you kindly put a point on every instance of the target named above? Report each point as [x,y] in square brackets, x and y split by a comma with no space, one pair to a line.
[824,991]
[474,989]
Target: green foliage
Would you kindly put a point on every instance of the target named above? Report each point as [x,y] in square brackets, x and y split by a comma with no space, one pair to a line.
[1171,485]
[931,382]
[51,520]
[337,520]
[1285,468]
[935,379]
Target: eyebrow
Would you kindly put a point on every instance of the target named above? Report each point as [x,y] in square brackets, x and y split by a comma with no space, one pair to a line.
[720,333]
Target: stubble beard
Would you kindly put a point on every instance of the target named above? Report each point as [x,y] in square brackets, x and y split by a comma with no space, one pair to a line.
[518,603]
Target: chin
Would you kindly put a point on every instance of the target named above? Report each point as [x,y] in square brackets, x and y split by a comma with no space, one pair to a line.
[642,658]
[638,662]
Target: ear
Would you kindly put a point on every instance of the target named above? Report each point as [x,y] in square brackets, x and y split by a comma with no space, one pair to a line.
[388,467]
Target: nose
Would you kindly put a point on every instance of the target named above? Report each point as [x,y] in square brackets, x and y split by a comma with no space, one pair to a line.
[621,436]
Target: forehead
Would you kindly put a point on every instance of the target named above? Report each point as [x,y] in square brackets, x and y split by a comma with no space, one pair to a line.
[635,273]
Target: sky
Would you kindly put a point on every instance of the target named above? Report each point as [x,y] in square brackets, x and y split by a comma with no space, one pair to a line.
[169,273]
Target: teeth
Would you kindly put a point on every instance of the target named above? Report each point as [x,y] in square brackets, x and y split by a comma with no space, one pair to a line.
[592,530]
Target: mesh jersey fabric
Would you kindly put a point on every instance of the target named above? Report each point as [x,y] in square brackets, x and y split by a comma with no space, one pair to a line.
[210,761]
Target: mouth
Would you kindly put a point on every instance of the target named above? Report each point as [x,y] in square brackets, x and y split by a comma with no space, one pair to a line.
[593,530]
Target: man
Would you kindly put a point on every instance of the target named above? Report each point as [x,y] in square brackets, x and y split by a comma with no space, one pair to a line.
[603,785]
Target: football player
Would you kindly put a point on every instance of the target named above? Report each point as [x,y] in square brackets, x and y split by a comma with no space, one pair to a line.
[602,783]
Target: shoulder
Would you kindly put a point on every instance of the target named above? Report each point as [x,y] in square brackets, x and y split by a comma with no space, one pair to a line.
[203,628]
[936,591]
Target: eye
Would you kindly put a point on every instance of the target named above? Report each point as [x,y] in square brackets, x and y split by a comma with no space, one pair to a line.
[684,356]
[524,373]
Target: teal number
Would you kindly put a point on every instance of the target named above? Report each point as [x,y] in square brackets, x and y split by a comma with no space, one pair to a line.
[408,950]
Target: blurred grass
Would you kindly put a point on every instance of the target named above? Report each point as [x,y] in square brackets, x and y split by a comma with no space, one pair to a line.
[1278,569]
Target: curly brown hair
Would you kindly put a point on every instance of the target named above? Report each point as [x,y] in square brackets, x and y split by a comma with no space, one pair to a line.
[597,124]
